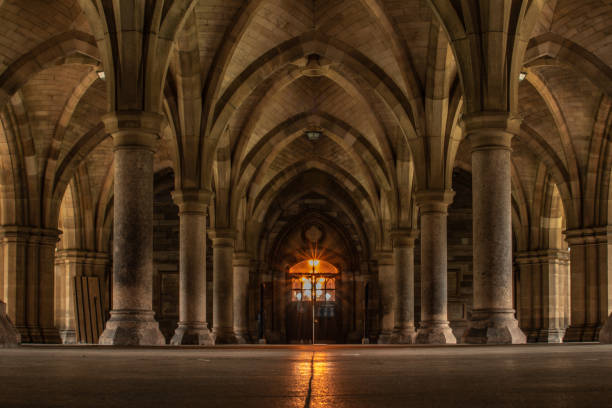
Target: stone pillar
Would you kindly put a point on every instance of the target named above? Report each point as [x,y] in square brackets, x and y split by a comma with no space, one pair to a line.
[591,284]
[242,268]
[434,327]
[9,336]
[493,319]
[192,326]
[544,294]
[223,286]
[388,301]
[403,259]
[27,278]
[132,321]
[605,334]
[71,263]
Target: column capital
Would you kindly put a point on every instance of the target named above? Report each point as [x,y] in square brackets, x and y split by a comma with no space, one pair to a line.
[49,236]
[430,201]
[222,237]
[586,236]
[192,200]
[384,258]
[541,256]
[134,129]
[242,259]
[490,130]
[81,256]
[403,237]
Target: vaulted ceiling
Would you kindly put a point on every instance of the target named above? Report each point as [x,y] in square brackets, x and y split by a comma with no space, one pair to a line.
[247,79]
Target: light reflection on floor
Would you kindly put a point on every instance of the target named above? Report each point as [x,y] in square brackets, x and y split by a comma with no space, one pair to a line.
[308,376]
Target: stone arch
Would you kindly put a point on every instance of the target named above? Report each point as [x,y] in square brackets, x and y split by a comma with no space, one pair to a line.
[344,204]
[67,45]
[243,20]
[300,47]
[552,49]
[264,198]
[355,144]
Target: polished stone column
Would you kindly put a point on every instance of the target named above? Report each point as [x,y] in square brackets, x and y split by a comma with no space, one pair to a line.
[242,268]
[493,319]
[388,301]
[71,263]
[544,294]
[223,286]
[192,326]
[403,259]
[132,321]
[434,328]
[591,284]
[27,283]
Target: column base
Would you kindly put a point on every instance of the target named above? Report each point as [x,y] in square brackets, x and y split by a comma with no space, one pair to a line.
[384,337]
[605,334]
[498,326]
[550,336]
[224,336]
[9,336]
[459,327]
[196,334]
[242,337]
[68,336]
[132,328]
[435,333]
[404,336]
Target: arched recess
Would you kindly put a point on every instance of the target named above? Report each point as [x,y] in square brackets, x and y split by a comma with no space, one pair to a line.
[326,174]
[282,241]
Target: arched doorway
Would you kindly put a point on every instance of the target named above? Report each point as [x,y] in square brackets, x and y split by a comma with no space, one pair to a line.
[314,313]
[312,228]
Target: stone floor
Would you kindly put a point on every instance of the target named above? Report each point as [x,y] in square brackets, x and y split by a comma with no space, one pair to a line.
[306,376]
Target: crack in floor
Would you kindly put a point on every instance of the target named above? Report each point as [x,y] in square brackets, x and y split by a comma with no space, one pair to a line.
[307,402]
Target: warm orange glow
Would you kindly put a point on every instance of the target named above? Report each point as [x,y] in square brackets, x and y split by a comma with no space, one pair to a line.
[306,267]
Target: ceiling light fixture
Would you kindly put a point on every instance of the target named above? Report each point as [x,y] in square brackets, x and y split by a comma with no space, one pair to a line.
[522,76]
[313,67]
[313,135]
[101,75]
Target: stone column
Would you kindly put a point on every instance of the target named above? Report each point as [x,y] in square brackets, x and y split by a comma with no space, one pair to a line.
[192,326]
[388,301]
[605,334]
[434,328]
[132,321]
[591,284]
[544,289]
[242,268]
[9,336]
[223,286]
[28,281]
[71,263]
[403,259]
[493,319]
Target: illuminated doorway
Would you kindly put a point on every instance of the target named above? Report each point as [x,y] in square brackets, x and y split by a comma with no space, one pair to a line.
[313,312]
